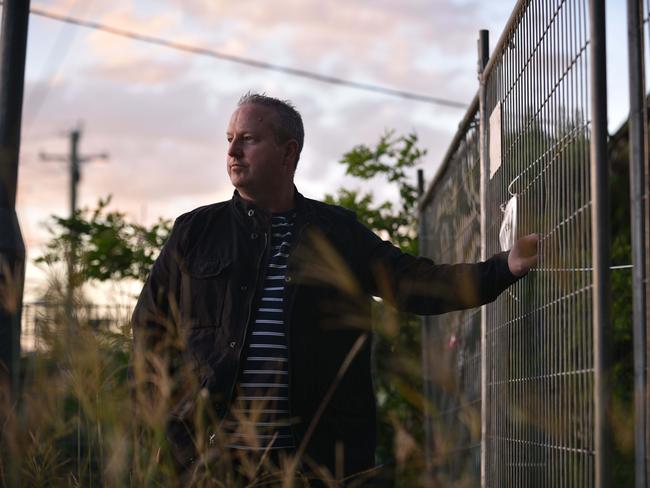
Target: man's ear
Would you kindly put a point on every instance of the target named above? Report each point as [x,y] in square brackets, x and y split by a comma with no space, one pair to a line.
[291,153]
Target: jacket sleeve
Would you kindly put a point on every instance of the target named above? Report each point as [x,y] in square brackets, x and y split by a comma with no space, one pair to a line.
[418,285]
[158,348]
[154,318]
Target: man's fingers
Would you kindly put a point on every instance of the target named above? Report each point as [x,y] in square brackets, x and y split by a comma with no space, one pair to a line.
[530,262]
[524,255]
[531,239]
[529,244]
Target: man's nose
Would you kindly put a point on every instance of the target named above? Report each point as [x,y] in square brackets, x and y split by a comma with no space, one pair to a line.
[234,149]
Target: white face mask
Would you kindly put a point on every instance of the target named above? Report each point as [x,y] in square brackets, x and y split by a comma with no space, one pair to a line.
[508,231]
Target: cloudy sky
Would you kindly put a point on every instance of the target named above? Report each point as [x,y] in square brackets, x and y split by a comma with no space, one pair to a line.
[162,113]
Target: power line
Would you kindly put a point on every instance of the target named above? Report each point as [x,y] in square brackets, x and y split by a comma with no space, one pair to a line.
[55,59]
[246,61]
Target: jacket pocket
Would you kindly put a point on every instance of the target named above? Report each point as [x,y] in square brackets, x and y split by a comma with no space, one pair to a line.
[204,291]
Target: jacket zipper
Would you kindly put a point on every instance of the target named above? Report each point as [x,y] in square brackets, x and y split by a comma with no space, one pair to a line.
[248,318]
[288,313]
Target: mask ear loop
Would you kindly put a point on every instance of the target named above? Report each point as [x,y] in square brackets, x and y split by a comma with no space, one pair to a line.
[503,206]
[544,202]
[512,183]
[510,192]
[503,210]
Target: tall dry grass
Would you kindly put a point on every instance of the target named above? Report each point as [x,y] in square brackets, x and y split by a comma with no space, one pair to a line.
[91,412]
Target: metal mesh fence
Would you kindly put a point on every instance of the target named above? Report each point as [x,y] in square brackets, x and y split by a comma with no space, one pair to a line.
[539,333]
[41,321]
[539,347]
[452,342]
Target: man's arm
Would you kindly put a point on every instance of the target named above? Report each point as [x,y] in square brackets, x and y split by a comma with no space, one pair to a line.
[158,349]
[155,317]
[418,285]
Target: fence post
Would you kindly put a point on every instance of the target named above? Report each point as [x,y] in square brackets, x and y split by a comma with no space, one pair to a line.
[600,236]
[638,181]
[483,55]
[13,45]
[426,380]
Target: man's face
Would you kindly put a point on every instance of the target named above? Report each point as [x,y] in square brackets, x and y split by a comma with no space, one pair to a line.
[257,164]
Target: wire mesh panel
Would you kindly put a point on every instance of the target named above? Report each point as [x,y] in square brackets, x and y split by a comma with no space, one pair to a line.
[452,343]
[42,322]
[539,348]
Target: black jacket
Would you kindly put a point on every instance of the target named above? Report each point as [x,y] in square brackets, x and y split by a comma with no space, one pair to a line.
[203,290]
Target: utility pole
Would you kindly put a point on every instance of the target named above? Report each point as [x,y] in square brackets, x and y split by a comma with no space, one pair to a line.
[13,46]
[75,161]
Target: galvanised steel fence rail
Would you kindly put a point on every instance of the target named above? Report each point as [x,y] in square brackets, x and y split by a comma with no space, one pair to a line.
[642,324]
[638,13]
[539,133]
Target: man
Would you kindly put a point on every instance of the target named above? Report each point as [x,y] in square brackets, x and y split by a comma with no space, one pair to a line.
[269,296]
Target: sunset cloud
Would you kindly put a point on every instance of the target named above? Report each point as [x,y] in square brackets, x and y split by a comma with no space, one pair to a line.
[161,114]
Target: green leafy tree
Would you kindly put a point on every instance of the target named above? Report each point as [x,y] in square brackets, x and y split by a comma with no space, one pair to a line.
[104,245]
[398,376]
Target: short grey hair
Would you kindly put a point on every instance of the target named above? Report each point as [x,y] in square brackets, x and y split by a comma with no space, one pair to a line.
[288,122]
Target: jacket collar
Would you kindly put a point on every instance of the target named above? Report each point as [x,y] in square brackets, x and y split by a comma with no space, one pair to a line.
[307,212]
[245,208]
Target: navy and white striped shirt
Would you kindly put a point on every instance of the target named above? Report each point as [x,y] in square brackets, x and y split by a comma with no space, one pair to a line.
[259,416]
